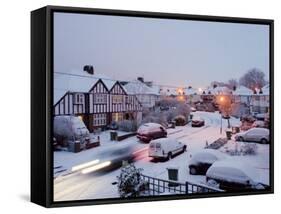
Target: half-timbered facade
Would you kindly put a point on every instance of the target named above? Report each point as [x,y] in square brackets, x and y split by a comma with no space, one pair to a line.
[104,102]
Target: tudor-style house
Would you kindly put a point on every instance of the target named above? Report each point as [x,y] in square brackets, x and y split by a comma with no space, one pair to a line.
[98,100]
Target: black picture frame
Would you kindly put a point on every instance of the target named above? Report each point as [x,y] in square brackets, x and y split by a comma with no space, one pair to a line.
[42,96]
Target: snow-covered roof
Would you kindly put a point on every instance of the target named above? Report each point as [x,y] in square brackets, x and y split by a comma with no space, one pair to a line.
[77,81]
[168,91]
[266,89]
[242,90]
[191,91]
[218,90]
[138,87]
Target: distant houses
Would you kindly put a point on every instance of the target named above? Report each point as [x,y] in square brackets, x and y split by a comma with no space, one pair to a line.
[261,100]
[96,99]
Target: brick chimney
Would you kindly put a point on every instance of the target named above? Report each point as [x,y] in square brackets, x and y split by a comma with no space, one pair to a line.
[141,79]
[89,69]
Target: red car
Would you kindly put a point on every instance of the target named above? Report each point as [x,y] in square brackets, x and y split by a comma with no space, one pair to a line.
[150,131]
[197,122]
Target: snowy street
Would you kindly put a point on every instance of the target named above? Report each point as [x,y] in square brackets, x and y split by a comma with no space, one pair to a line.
[70,185]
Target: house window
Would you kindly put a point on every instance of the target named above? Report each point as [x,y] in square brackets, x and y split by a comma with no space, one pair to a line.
[99,119]
[100,98]
[117,99]
[117,117]
[127,100]
[79,99]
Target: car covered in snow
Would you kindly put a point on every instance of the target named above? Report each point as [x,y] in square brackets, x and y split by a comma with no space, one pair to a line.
[201,161]
[165,148]
[150,131]
[192,109]
[71,130]
[197,121]
[260,135]
[233,175]
[258,124]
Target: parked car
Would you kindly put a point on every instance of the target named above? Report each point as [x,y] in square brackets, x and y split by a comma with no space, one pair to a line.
[260,135]
[233,176]
[197,121]
[225,116]
[165,148]
[201,161]
[150,131]
[258,124]
[192,109]
[164,108]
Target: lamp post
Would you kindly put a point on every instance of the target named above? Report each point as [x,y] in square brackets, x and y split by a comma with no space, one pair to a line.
[221,101]
[221,124]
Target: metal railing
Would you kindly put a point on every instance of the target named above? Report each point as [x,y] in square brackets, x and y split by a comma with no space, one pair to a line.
[157,186]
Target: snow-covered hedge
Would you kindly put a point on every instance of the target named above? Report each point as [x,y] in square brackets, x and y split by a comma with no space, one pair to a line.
[180,120]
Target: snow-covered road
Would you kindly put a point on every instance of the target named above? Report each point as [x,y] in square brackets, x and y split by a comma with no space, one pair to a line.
[76,186]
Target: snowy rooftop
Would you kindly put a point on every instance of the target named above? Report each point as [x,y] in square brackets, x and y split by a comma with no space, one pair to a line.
[168,91]
[244,91]
[265,89]
[191,91]
[218,90]
[77,81]
[138,87]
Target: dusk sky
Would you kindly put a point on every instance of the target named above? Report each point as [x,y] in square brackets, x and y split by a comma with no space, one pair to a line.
[168,52]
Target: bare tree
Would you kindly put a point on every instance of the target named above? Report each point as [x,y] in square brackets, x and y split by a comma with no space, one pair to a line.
[253,79]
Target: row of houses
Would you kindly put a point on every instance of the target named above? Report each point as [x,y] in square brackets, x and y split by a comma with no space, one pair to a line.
[96,99]
[99,100]
[253,101]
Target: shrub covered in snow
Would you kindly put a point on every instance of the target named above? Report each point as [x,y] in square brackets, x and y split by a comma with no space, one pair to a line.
[180,120]
[175,109]
[249,149]
[130,183]
[127,125]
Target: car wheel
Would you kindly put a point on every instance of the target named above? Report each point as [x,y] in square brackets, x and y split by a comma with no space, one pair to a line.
[213,183]
[240,139]
[193,170]
[169,157]
[263,141]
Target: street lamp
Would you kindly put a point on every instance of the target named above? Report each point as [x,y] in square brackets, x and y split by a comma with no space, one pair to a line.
[221,101]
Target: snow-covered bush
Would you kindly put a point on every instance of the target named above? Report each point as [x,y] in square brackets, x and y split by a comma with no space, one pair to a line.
[127,125]
[175,108]
[167,102]
[180,120]
[249,149]
[130,183]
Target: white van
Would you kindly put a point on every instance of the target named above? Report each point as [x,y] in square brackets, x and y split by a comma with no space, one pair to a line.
[165,148]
